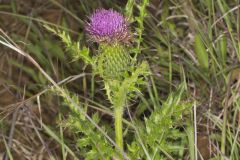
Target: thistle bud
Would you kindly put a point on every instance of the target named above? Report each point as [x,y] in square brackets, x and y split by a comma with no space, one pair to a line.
[113,61]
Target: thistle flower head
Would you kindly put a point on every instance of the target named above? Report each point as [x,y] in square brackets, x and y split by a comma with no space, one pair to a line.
[108,26]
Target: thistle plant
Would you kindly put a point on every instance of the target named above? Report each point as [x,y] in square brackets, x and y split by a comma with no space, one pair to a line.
[121,74]
[155,137]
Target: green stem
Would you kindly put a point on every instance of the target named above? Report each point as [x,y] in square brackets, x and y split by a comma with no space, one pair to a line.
[118,112]
[223,138]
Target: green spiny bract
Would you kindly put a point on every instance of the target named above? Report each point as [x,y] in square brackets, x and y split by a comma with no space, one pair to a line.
[113,61]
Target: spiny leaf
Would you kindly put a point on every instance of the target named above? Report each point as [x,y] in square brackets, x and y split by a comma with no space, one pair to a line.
[73,47]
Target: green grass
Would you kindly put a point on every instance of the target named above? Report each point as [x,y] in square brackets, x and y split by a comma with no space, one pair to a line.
[192,48]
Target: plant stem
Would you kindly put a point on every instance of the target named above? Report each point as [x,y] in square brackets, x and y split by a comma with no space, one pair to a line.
[118,112]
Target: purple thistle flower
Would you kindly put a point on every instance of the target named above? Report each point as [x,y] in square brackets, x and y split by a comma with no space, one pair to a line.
[108,26]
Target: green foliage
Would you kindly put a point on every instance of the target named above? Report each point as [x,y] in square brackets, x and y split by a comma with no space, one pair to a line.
[161,133]
[72,47]
[139,19]
[129,10]
[201,53]
[162,120]
[57,138]
[38,78]
[223,49]
[46,52]
[92,144]
[129,86]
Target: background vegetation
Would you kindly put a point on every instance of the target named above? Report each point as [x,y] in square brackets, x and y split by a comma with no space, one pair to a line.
[189,108]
